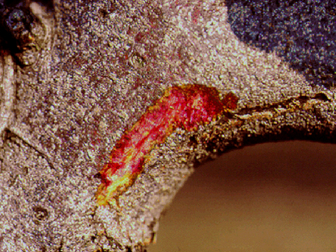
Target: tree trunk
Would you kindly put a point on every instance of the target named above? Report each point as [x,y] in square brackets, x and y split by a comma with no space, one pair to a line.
[93,69]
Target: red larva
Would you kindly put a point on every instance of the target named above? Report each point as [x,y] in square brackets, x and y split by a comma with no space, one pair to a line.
[186,106]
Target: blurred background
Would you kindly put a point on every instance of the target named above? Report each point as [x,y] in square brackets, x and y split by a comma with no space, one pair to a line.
[268,197]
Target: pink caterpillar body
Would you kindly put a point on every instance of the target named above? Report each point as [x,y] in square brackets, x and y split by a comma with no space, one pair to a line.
[186,106]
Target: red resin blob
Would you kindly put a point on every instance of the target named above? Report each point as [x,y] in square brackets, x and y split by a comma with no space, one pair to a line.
[186,106]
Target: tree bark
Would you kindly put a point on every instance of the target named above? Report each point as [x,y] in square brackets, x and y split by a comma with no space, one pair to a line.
[104,63]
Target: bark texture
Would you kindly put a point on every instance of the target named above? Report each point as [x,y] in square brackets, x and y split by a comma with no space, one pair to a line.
[103,63]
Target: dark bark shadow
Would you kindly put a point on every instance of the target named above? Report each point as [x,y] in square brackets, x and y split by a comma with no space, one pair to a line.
[302,32]
[23,32]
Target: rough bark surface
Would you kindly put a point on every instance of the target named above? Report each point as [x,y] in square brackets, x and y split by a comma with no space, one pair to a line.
[103,63]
